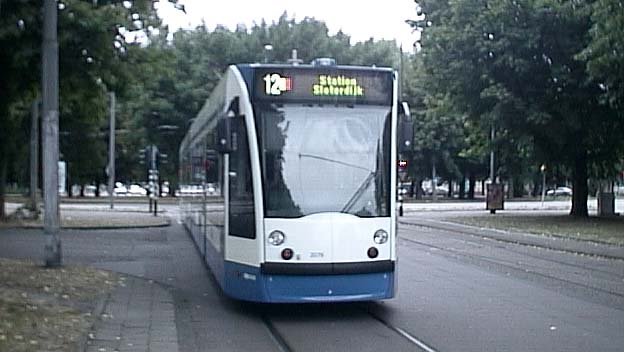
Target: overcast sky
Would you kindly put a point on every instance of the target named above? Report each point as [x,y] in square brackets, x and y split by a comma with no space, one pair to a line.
[359,19]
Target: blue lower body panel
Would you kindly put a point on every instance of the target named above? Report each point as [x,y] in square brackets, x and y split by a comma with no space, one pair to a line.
[249,283]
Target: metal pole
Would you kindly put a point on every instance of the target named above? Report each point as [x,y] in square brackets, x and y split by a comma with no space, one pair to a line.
[492,173]
[51,223]
[111,151]
[400,74]
[434,193]
[34,155]
[543,168]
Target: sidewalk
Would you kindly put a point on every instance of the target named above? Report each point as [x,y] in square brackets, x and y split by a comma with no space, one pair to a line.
[96,216]
[138,315]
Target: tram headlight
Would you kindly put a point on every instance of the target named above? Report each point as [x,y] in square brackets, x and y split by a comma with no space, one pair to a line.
[276,238]
[380,237]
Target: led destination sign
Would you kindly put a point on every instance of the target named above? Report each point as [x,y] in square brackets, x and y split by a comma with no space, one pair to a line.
[322,85]
[337,86]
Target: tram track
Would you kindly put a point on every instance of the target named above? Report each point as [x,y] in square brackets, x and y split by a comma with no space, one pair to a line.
[522,270]
[282,345]
[515,249]
[402,332]
[529,244]
[275,335]
[480,238]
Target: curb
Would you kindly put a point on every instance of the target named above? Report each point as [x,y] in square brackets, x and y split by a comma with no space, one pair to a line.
[90,228]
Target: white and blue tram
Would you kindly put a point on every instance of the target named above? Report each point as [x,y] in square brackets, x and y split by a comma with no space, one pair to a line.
[297,166]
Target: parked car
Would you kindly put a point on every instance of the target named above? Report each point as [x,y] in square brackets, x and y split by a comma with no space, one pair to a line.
[440,190]
[136,190]
[120,189]
[560,191]
[89,190]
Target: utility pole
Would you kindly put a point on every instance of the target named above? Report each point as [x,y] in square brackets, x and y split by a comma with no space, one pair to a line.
[543,169]
[153,178]
[400,92]
[111,151]
[492,173]
[34,155]
[50,86]
[434,183]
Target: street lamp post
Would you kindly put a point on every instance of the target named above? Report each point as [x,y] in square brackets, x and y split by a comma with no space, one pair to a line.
[543,169]
[111,151]
[492,172]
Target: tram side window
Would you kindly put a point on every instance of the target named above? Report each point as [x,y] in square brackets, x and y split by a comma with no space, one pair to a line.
[242,218]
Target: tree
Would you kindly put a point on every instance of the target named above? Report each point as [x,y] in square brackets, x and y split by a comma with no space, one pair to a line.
[183,72]
[20,30]
[514,65]
[93,55]
[604,53]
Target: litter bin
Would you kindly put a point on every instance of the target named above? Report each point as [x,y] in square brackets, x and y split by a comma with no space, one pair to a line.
[495,197]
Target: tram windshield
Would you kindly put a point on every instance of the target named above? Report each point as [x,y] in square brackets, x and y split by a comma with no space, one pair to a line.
[325,159]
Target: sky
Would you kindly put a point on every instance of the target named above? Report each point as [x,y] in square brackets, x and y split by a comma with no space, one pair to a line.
[359,19]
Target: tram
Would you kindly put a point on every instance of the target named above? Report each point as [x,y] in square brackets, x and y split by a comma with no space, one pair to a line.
[297,167]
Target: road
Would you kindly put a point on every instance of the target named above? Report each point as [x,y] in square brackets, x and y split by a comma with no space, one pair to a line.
[457,292]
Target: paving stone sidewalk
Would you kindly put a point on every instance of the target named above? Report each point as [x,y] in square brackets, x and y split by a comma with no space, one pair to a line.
[138,316]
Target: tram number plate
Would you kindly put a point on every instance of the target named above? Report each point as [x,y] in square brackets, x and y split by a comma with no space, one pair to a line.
[316,255]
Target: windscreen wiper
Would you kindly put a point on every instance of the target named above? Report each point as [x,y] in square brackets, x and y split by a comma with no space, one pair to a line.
[363,186]
[359,192]
[304,155]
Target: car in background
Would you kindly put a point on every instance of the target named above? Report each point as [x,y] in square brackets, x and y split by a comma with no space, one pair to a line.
[89,190]
[120,189]
[164,189]
[560,191]
[136,190]
[441,190]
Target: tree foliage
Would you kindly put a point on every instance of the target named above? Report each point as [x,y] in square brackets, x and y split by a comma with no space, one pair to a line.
[186,66]
[515,65]
[93,58]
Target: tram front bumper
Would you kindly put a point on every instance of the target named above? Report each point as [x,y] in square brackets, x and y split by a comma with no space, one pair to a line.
[252,284]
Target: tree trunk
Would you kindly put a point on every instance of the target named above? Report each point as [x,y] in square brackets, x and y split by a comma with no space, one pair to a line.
[3,173]
[579,185]
[418,191]
[472,182]
[511,188]
[462,188]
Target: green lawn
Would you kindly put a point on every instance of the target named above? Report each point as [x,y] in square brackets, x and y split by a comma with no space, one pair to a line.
[606,230]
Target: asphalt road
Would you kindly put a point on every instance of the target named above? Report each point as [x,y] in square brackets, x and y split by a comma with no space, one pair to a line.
[456,293]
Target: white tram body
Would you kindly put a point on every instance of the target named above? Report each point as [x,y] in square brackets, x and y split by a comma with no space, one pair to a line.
[299,164]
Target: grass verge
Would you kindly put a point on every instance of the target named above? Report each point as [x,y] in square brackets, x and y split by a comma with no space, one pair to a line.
[604,230]
[48,309]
